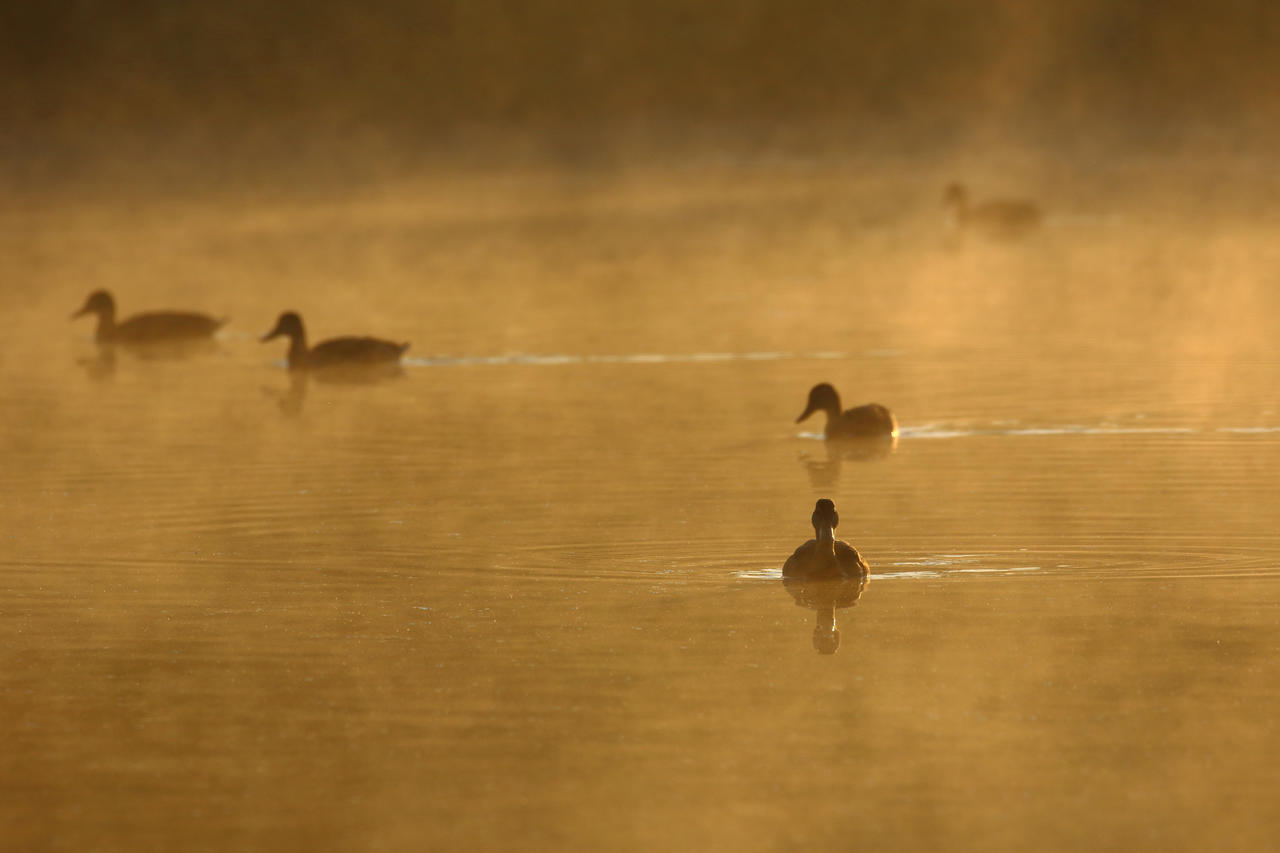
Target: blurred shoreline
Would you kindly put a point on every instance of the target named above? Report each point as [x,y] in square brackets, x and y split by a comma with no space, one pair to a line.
[238,98]
[1203,175]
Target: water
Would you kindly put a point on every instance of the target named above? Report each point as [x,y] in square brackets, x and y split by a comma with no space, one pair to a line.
[527,595]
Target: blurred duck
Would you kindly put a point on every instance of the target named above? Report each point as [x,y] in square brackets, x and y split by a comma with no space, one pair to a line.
[996,216]
[869,421]
[351,352]
[152,327]
[825,557]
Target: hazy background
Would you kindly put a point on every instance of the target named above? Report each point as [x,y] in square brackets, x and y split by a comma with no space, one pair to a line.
[206,94]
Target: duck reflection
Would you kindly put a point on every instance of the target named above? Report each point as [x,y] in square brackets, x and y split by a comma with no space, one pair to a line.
[102,366]
[291,399]
[825,574]
[824,467]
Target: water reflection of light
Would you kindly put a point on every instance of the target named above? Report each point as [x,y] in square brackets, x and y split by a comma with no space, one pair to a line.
[937,431]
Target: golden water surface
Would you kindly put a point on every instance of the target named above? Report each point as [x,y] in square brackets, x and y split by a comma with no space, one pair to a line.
[527,595]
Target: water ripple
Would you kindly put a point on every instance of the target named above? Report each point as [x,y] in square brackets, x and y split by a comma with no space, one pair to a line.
[622,358]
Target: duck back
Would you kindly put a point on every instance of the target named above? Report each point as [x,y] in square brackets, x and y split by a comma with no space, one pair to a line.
[1005,215]
[870,420]
[811,562]
[354,351]
[163,326]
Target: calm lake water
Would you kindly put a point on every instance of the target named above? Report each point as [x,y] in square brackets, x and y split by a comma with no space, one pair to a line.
[527,595]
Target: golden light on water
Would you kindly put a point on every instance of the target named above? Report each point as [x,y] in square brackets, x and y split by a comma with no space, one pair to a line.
[525,591]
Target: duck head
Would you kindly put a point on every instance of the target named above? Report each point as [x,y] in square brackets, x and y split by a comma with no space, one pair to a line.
[289,325]
[825,521]
[822,398]
[100,303]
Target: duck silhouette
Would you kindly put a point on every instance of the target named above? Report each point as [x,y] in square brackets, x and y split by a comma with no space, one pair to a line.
[995,217]
[869,421]
[825,574]
[344,352]
[151,327]
[824,557]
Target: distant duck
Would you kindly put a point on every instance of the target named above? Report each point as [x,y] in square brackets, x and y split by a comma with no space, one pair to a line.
[825,557]
[348,352]
[152,327]
[869,421]
[999,217]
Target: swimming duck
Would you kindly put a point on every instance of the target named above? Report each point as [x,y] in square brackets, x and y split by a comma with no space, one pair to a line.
[152,327]
[869,421]
[996,216]
[825,557]
[335,352]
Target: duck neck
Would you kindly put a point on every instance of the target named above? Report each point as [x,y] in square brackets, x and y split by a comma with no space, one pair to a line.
[833,417]
[832,407]
[826,538]
[297,349]
[106,324]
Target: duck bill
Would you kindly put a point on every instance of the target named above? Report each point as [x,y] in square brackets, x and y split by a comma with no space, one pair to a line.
[808,411]
[274,333]
[80,313]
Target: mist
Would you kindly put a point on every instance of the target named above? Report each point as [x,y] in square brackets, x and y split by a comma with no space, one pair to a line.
[332,92]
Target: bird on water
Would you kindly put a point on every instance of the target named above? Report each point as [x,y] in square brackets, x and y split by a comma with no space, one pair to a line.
[824,557]
[824,575]
[868,421]
[151,327]
[351,352]
[1008,217]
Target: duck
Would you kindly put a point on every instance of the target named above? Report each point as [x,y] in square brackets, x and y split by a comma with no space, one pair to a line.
[350,352]
[152,327]
[825,574]
[1008,217]
[825,557]
[868,421]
